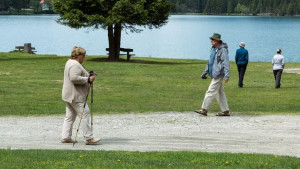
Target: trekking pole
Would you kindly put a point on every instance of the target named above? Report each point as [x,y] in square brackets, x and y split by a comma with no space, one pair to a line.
[81,115]
[92,101]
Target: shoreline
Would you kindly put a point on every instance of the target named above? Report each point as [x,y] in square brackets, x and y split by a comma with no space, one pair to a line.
[171,14]
[136,58]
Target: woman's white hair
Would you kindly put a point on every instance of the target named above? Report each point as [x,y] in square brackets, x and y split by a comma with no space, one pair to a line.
[77,51]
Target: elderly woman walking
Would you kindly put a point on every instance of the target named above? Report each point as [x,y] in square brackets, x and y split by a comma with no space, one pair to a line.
[74,93]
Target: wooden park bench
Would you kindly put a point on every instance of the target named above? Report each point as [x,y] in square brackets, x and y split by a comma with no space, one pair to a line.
[127,50]
[27,48]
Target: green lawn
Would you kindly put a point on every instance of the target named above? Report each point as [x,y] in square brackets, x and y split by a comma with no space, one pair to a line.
[59,159]
[31,85]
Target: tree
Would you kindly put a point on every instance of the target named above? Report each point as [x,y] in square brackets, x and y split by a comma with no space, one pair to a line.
[276,7]
[259,6]
[229,7]
[19,4]
[298,7]
[35,4]
[209,7]
[241,8]
[220,6]
[4,5]
[48,4]
[284,9]
[113,15]
[292,8]
[253,7]
[182,8]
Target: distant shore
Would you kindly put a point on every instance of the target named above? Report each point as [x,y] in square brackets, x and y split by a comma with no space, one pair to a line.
[204,14]
[236,14]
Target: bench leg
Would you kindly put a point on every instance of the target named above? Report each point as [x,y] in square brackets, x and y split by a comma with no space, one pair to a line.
[128,56]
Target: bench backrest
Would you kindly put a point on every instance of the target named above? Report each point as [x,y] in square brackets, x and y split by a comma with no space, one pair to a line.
[123,49]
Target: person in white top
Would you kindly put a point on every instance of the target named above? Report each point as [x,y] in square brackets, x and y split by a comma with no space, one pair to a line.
[278,66]
[75,90]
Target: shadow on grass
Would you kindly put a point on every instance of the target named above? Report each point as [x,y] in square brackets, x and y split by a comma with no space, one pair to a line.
[268,87]
[144,61]
[252,87]
[286,87]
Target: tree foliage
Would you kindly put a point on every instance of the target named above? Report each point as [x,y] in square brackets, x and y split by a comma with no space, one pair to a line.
[113,15]
[19,5]
[35,4]
[102,13]
[252,7]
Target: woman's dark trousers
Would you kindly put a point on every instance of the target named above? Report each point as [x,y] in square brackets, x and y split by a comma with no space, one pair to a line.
[242,71]
[277,76]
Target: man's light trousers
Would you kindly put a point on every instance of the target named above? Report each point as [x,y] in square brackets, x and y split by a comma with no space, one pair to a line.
[215,90]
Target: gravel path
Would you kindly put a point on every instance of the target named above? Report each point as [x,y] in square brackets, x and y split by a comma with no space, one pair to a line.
[167,131]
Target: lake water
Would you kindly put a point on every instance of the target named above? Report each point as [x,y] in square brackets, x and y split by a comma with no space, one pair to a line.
[184,36]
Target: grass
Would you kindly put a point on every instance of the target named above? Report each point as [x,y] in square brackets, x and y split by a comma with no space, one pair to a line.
[59,159]
[31,85]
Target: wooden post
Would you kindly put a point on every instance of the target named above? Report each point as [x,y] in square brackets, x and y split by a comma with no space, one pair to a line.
[27,48]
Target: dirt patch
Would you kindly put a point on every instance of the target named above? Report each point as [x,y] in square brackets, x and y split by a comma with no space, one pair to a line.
[292,70]
[4,73]
[165,131]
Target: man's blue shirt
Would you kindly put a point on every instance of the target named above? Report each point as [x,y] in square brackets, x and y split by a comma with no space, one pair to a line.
[211,60]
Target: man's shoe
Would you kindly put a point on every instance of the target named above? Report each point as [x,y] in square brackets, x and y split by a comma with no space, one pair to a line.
[202,112]
[225,113]
[92,141]
[68,140]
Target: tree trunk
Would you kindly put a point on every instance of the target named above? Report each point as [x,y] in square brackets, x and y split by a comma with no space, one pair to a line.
[114,39]
[111,42]
[117,36]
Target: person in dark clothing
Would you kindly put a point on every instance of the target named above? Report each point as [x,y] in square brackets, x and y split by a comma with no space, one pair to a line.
[241,60]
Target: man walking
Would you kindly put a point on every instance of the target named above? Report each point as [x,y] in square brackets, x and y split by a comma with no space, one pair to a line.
[278,65]
[241,60]
[218,69]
